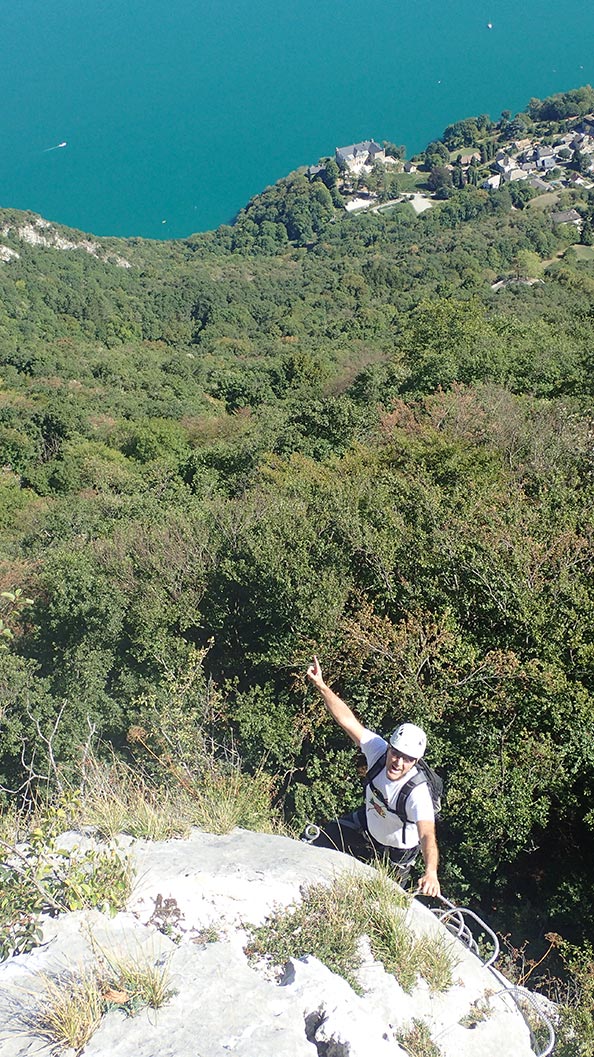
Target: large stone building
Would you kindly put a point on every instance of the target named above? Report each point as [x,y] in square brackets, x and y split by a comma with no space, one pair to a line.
[359,156]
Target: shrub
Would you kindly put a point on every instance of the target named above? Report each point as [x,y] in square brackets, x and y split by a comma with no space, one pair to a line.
[575,1034]
[38,876]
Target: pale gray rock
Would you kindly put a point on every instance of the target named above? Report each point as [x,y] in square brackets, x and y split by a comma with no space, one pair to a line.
[7,255]
[40,232]
[230,879]
[222,1007]
[340,1022]
[222,1004]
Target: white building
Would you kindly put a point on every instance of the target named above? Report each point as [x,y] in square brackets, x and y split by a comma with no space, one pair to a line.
[359,157]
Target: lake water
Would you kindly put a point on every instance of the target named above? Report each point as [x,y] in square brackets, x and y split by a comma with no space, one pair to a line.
[175,112]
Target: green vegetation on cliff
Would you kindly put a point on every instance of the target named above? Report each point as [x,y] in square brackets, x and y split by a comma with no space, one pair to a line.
[316,431]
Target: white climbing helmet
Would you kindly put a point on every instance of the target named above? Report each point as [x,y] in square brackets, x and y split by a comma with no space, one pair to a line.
[409,739]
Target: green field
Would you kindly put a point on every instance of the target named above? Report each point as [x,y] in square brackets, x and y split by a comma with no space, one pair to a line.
[411,181]
[545,201]
[584,253]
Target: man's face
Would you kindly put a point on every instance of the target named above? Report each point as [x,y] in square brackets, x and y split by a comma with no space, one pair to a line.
[398,764]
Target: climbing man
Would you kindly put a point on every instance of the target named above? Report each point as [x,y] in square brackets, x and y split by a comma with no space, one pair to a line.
[375,829]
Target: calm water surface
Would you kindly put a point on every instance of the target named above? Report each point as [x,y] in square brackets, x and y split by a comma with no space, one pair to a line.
[176,111]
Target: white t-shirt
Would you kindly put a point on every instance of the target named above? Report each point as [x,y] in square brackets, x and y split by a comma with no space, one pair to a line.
[386,827]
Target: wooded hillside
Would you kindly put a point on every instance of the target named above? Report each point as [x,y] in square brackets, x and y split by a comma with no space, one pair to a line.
[240,450]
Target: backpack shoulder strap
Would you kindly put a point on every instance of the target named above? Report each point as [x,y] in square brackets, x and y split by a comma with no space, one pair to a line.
[402,799]
[377,766]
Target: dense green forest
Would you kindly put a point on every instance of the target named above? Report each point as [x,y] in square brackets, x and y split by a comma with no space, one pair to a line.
[310,431]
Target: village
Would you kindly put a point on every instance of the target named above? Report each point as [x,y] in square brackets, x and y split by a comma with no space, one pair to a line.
[361,170]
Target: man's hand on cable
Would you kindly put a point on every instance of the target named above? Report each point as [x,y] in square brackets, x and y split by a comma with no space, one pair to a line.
[429,885]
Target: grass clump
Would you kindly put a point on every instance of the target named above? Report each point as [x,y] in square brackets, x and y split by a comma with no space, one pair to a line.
[71,1007]
[206,935]
[320,925]
[417,1040]
[331,920]
[225,799]
[69,1011]
[130,983]
[393,944]
[118,799]
[437,960]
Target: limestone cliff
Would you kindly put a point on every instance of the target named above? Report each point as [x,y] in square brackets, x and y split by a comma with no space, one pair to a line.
[203,891]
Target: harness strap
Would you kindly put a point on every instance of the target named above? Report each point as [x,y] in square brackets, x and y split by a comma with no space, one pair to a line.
[403,857]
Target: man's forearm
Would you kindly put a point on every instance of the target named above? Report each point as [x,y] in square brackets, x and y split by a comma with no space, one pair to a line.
[429,883]
[341,713]
[430,852]
[337,708]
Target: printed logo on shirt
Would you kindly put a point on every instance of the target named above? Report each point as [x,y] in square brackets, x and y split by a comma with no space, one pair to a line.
[378,807]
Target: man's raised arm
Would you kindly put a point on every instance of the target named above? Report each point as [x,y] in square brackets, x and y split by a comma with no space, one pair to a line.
[335,705]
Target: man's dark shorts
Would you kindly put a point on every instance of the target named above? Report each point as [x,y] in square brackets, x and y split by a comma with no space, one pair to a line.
[350,834]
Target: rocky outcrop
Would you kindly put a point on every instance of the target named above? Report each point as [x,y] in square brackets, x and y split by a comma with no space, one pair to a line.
[189,909]
[36,231]
[7,255]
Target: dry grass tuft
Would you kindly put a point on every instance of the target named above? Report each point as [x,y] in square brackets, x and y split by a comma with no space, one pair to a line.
[226,799]
[71,1006]
[117,799]
[69,1011]
[135,982]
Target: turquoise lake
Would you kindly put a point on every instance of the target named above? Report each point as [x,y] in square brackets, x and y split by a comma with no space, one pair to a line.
[174,112]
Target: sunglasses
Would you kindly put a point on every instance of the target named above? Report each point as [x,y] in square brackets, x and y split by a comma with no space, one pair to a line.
[401,755]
